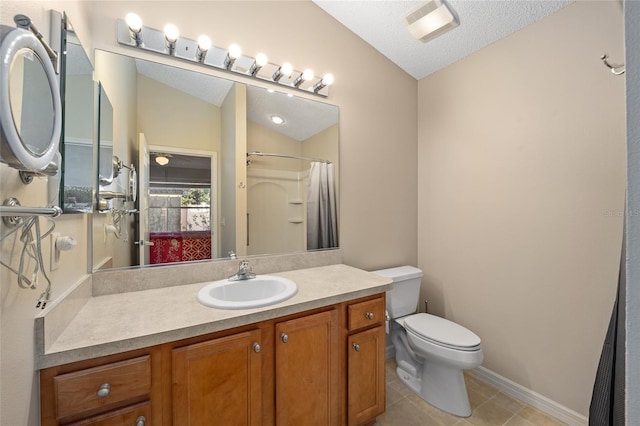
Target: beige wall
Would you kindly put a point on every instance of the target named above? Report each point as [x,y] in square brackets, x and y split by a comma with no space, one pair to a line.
[186,122]
[18,380]
[119,80]
[521,185]
[261,138]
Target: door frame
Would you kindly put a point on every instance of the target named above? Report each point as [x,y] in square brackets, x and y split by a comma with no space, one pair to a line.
[215,231]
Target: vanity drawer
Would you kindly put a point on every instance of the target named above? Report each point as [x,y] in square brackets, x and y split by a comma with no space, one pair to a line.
[136,415]
[103,386]
[364,314]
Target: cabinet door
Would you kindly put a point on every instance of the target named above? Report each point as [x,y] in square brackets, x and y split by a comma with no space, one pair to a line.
[307,366]
[366,375]
[218,382]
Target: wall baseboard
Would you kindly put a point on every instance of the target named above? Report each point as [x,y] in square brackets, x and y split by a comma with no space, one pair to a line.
[529,397]
[521,393]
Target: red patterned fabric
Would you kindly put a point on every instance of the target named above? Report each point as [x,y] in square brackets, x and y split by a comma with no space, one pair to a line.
[169,247]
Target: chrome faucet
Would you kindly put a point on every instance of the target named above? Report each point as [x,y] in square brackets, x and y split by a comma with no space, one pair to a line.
[232,255]
[244,272]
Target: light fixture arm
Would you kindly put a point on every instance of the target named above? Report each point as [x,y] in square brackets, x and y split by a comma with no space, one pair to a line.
[24,22]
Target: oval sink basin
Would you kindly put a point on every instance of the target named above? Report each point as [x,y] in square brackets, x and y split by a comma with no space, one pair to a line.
[263,290]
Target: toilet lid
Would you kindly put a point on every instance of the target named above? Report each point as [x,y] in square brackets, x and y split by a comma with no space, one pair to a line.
[442,332]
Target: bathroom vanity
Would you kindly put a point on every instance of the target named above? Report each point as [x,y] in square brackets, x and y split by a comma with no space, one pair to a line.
[315,359]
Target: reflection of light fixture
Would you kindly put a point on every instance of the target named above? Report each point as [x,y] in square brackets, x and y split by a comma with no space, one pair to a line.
[261,61]
[277,119]
[283,71]
[233,53]
[204,44]
[430,20]
[135,28]
[305,76]
[162,159]
[327,80]
[171,34]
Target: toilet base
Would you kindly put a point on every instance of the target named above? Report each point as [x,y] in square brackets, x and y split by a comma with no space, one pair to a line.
[441,386]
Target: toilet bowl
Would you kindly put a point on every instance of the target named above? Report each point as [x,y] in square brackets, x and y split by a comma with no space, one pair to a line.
[431,352]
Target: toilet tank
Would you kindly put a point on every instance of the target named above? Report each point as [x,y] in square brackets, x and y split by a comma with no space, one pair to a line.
[402,299]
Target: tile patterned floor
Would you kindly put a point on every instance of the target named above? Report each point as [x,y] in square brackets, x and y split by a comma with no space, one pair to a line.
[490,407]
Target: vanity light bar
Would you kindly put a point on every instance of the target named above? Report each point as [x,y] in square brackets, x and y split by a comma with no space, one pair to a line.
[231,59]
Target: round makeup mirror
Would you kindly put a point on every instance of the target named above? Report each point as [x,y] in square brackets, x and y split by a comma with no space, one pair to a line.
[30,107]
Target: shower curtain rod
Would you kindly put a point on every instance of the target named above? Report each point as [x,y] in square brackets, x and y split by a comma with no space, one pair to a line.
[268,154]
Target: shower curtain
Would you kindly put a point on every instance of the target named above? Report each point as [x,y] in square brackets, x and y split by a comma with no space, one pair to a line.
[322,222]
[607,400]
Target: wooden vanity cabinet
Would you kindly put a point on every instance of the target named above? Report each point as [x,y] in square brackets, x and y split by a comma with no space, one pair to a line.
[288,371]
[365,361]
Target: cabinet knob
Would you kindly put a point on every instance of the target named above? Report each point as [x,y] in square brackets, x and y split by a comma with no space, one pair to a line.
[256,347]
[356,347]
[284,338]
[369,315]
[141,421]
[104,390]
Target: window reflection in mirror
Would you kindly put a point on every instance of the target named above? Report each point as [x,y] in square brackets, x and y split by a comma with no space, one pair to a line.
[79,92]
[173,110]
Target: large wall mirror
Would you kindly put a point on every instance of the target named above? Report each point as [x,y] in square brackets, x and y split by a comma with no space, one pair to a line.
[199,195]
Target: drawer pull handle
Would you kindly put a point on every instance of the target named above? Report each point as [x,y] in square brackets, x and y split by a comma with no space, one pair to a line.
[284,338]
[104,390]
[369,315]
[141,421]
[356,347]
[256,347]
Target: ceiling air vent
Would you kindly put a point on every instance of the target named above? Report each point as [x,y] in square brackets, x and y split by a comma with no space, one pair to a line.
[430,20]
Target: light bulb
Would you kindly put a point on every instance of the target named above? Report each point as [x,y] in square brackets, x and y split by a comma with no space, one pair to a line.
[133,22]
[327,80]
[171,32]
[234,51]
[261,59]
[307,75]
[162,160]
[286,69]
[277,119]
[204,42]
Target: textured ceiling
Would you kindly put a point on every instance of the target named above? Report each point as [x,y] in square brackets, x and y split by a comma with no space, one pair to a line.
[303,118]
[482,22]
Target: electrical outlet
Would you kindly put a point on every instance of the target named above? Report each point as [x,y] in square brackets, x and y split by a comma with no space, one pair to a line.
[55,253]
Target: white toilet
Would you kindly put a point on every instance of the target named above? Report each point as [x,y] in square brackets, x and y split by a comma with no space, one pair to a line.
[431,351]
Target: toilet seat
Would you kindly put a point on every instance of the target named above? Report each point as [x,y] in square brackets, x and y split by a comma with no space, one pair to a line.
[442,332]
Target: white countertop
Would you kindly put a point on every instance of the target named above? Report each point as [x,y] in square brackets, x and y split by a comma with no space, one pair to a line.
[121,322]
